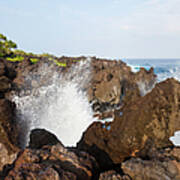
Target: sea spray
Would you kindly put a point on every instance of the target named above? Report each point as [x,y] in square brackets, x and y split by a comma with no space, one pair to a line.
[145,87]
[59,104]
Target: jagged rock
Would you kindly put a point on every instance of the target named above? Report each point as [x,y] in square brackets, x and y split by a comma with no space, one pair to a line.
[161,164]
[113,83]
[53,162]
[8,134]
[113,175]
[139,126]
[139,169]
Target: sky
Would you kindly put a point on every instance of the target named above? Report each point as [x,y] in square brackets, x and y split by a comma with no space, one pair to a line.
[104,28]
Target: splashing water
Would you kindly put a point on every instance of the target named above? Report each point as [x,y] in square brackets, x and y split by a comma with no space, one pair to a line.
[59,105]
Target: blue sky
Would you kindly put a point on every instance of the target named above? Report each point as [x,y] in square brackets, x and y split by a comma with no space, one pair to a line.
[103,28]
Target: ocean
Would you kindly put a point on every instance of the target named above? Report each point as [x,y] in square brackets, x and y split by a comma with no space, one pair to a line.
[163,68]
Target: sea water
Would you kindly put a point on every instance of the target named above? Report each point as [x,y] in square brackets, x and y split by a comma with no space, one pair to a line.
[163,68]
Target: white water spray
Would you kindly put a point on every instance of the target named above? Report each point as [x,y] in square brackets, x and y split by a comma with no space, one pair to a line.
[59,105]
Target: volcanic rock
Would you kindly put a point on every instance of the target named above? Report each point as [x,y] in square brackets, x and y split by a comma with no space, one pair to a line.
[163,164]
[113,83]
[41,137]
[8,134]
[113,175]
[138,127]
[53,162]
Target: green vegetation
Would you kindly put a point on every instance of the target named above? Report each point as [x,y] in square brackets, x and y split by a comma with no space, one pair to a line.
[9,51]
[61,64]
[15,59]
[34,60]
[6,46]
[76,60]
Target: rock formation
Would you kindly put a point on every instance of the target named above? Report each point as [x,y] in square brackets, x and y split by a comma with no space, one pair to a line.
[8,127]
[134,146]
[113,83]
[139,126]
[163,164]
[52,161]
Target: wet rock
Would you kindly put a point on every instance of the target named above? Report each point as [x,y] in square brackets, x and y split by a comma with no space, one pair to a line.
[53,162]
[146,123]
[41,137]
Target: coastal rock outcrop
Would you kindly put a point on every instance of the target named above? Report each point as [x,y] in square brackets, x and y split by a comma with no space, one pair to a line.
[52,161]
[113,83]
[134,143]
[163,164]
[113,175]
[138,126]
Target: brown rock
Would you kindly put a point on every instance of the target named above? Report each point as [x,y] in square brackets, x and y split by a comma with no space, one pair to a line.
[139,169]
[52,162]
[113,175]
[113,84]
[139,126]
[5,84]
[8,134]
[2,68]
[41,137]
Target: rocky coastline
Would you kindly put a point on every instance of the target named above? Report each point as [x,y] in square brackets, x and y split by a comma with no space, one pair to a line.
[134,146]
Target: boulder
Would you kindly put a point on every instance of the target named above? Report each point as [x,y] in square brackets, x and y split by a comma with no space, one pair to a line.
[41,137]
[138,127]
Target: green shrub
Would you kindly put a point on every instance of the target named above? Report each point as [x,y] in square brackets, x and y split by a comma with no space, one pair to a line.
[34,60]
[76,60]
[61,64]
[6,46]
[15,59]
